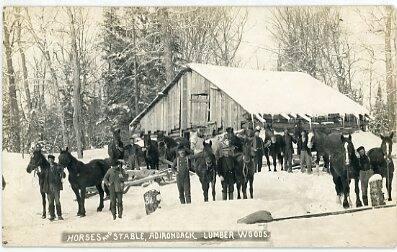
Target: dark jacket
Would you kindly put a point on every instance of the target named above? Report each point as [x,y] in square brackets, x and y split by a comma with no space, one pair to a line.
[115,178]
[257,145]
[364,163]
[53,179]
[288,140]
[303,144]
[226,169]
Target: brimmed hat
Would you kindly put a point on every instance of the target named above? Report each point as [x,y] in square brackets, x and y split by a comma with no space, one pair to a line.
[360,148]
[51,156]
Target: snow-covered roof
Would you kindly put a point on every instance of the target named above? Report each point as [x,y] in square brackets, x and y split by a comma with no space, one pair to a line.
[271,92]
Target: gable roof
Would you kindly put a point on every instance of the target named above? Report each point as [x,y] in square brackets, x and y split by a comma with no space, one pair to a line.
[278,92]
[272,92]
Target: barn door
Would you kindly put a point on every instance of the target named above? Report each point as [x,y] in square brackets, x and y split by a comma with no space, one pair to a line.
[199,109]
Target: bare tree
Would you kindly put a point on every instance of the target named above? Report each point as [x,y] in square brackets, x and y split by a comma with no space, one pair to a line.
[9,22]
[77,102]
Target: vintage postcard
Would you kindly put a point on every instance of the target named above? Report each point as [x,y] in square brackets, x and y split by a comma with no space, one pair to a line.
[193,126]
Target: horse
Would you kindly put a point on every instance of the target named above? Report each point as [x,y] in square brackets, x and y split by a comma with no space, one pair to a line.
[382,162]
[317,142]
[344,164]
[37,159]
[151,152]
[116,147]
[205,167]
[274,148]
[245,170]
[82,176]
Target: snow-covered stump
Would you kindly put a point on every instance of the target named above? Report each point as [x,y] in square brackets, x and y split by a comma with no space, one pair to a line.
[375,188]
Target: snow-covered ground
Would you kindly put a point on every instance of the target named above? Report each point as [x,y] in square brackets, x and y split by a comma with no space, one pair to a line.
[282,194]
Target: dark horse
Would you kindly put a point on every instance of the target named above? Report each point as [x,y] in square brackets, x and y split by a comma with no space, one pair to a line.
[344,164]
[116,147]
[205,167]
[83,175]
[245,170]
[38,160]
[382,163]
[273,146]
[151,152]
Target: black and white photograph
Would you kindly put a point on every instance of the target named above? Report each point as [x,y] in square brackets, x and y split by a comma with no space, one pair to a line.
[199,126]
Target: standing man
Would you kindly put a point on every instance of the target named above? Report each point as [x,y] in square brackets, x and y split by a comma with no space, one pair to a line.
[181,166]
[114,179]
[54,186]
[297,134]
[258,149]
[365,173]
[306,155]
[288,150]
[227,175]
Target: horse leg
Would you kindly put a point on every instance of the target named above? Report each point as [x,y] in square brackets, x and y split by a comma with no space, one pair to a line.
[251,180]
[346,190]
[43,200]
[357,191]
[100,190]
[82,199]
[213,189]
[338,186]
[238,191]
[389,180]
[280,159]
[326,163]
[244,189]
[78,199]
[205,186]
[274,161]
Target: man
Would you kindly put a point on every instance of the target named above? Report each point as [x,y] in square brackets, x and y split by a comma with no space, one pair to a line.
[258,149]
[232,140]
[365,173]
[227,175]
[53,186]
[288,150]
[114,179]
[306,155]
[181,166]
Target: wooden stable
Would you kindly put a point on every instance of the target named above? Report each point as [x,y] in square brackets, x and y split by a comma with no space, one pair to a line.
[216,97]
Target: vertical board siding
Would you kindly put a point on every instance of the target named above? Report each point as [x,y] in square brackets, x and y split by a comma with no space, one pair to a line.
[178,109]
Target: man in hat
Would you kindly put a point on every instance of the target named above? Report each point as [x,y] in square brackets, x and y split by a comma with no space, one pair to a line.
[257,145]
[288,150]
[232,140]
[53,186]
[181,167]
[114,179]
[365,173]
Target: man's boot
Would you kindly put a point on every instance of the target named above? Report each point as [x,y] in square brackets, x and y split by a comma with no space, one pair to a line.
[224,196]
[120,210]
[52,212]
[182,199]
[59,211]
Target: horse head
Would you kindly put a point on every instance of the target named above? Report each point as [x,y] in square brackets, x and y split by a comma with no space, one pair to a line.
[36,159]
[310,139]
[117,135]
[65,158]
[248,151]
[348,149]
[387,145]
